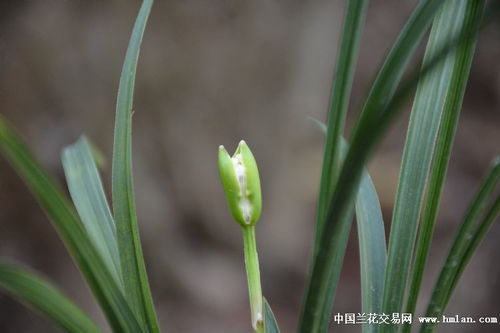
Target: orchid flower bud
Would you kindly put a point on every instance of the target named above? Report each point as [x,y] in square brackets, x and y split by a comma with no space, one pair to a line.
[241,183]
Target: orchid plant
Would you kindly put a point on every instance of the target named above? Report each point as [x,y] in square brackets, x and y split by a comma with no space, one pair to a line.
[104,241]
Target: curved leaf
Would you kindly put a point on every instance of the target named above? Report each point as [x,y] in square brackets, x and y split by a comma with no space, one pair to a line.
[66,222]
[88,196]
[456,81]
[270,323]
[381,106]
[372,249]
[371,239]
[43,297]
[135,277]
[467,238]
[314,317]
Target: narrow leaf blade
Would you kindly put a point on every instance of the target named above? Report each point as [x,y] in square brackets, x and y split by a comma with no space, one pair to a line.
[318,317]
[339,101]
[485,224]
[270,323]
[467,238]
[87,192]
[132,262]
[428,106]
[45,298]
[371,239]
[64,219]
[379,109]
[458,78]
[372,249]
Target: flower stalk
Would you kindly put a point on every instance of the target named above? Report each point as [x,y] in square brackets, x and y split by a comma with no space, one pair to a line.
[253,277]
[241,184]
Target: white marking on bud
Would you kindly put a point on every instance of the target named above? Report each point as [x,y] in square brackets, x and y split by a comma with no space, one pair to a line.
[257,321]
[241,175]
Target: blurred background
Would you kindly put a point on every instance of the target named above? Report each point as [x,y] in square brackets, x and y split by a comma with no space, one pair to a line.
[211,73]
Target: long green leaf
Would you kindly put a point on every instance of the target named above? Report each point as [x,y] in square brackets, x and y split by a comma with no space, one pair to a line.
[377,113]
[270,323]
[458,81]
[372,249]
[339,101]
[483,228]
[478,236]
[87,192]
[45,298]
[71,231]
[423,128]
[354,19]
[132,262]
[466,241]
[371,239]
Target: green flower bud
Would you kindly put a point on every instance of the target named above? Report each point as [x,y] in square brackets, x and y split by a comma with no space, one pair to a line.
[241,183]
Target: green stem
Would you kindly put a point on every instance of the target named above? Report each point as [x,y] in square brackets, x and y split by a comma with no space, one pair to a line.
[253,277]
